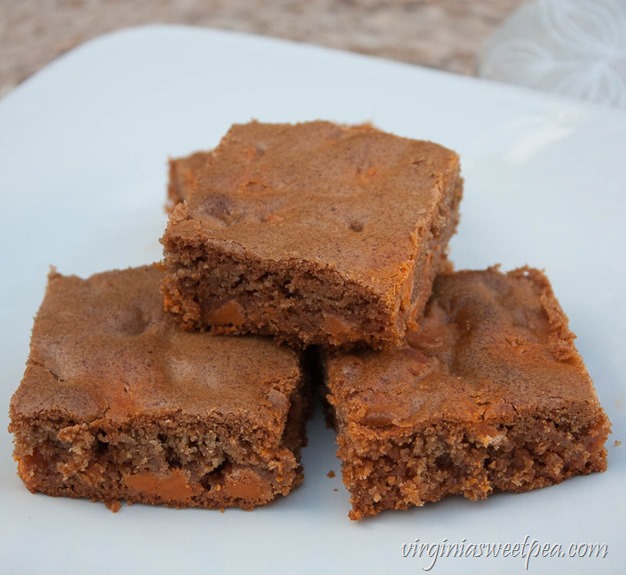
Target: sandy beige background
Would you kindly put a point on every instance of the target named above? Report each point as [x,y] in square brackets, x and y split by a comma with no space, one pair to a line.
[444,34]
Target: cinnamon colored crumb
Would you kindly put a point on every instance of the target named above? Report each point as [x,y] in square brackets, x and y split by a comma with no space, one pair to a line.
[114,506]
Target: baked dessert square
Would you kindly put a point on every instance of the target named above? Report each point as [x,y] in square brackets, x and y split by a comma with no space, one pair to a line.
[489,395]
[117,404]
[183,173]
[314,233]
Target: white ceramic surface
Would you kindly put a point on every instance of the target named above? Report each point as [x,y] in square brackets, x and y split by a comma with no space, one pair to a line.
[83,149]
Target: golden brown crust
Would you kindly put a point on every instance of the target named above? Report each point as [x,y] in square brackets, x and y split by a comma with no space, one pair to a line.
[99,340]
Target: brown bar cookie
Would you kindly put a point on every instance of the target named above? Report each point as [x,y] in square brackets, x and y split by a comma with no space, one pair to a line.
[314,233]
[117,404]
[489,395]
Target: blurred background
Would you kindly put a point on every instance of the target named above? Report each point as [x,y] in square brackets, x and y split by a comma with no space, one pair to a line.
[571,47]
[443,34]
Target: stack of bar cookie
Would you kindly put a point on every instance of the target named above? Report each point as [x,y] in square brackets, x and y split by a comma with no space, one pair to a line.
[291,251]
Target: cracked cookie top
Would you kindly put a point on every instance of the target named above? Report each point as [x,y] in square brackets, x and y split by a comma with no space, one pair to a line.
[103,348]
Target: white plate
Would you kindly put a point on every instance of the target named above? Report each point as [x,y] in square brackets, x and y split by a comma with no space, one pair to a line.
[83,150]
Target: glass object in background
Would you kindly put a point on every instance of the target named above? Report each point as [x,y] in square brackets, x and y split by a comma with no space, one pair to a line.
[571,47]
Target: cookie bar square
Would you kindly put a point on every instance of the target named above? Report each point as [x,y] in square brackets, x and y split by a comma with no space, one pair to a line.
[489,395]
[118,404]
[314,233]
